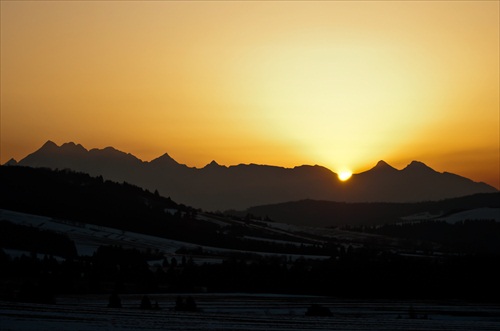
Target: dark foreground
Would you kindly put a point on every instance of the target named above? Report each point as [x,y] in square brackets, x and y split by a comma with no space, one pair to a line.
[247,312]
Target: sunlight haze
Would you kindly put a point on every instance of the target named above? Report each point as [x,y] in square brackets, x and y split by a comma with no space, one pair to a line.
[339,84]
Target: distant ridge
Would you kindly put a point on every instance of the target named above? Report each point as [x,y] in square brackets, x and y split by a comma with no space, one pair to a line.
[216,187]
[383,166]
[330,213]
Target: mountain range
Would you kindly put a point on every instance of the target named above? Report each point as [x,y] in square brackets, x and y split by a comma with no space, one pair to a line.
[217,187]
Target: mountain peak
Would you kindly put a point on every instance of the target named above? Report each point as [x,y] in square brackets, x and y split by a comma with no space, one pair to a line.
[382,165]
[418,166]
[49,145]
[213,165]
[11,162]
[219,187]
[165,156]
[110,149]
[71,146]
[164,160]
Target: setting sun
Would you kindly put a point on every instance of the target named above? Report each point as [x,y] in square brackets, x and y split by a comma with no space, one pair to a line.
[344,175]
[235,82]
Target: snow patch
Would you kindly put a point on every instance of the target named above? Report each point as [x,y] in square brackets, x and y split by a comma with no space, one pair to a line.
[473,214]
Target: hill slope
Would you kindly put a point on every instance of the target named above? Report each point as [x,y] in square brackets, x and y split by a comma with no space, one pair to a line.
[329,213]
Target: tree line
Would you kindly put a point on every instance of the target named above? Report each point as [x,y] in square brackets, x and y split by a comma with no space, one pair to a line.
[352,273]
[464,237]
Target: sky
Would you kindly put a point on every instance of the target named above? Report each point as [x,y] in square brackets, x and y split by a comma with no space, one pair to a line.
[335,83]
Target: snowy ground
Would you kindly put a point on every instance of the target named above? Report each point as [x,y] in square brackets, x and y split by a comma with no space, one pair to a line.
[89,237]
[246,312]
[472,214]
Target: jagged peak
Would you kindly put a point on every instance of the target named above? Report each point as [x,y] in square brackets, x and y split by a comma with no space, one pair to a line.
[165,156]
[49,144]
[11,162]
[107,150]
[164,159]
[73,147]
[417,165]
[213,165]
[382,165]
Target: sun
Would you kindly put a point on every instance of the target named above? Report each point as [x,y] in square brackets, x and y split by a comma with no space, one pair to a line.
[344,175]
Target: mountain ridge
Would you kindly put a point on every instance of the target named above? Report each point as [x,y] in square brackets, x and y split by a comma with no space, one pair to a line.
[331,213]
[218,187]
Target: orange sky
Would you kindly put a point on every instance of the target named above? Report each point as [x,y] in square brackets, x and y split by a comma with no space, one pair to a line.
[341,84]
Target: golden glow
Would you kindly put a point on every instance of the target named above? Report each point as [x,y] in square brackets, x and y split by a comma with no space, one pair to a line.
[344,175]
[282,83]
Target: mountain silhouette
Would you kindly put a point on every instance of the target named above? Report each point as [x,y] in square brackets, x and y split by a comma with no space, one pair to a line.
[216,187]
[331,213]
[383,166]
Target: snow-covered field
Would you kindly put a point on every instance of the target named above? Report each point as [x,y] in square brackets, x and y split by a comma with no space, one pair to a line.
[89,237]
[472,214]
[246,312]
